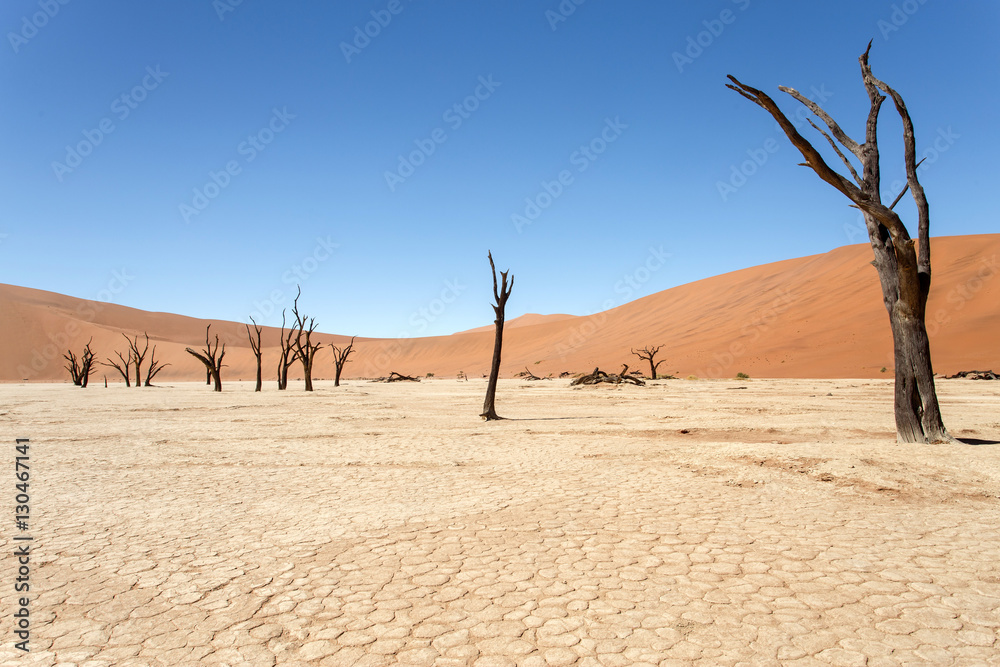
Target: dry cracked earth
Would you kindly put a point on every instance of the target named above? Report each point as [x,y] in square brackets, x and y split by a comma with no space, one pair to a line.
[769,522]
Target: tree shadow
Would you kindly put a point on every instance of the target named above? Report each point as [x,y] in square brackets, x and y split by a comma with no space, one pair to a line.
[977,441]
[547,419]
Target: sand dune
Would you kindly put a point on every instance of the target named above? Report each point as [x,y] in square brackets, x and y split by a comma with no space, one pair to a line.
[817,316]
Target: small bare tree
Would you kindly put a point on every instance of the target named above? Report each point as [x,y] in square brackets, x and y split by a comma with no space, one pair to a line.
[287,356]
[81,369]
[123,366]
[255,346]
[904,268]
[137,356]
[500,296]
[155,366]
[648,353]
[211,357]
[340,356]
[305,349]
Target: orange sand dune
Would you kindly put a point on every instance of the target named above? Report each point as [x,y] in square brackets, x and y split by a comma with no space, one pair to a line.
[818,316]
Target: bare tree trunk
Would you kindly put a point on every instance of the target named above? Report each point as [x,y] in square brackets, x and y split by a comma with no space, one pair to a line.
[500,296]
[648,353]
[904,273]
[211,357]
[137,355]
[340,356]
[287,355]
[305,349]
[255,346]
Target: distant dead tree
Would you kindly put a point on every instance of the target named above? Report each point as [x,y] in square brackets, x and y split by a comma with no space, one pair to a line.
[340,356]
[287,356]
[500,296]
[598,376]
[305,349]
[904,268]
[155,367]
[649,353]
[255,346]
[81,369]
[123,366]
[137,356]
[211,357]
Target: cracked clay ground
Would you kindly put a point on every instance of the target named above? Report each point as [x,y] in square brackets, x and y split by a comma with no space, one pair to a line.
[386,524]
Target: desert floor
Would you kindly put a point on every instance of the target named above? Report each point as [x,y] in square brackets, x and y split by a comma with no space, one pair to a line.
[688,522]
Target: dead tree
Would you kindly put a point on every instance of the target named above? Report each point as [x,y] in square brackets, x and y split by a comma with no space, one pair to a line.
[305,349]
[137,356]
[648,353]
[904,268]
[500,296]
[340,356]
[287,356]
[154,367]
[211,357]
[81,369]
[123,366]
[255,346]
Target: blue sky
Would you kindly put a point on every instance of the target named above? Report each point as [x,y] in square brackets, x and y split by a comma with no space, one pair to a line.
[203,157]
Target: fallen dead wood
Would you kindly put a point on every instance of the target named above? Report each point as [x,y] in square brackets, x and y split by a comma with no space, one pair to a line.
[598,376]
[529,376]
[974,375]
[396,377]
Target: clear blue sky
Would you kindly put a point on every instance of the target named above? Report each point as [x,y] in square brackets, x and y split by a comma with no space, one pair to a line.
[308,116]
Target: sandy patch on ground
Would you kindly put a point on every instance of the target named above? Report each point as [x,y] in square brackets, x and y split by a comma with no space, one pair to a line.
[689,522]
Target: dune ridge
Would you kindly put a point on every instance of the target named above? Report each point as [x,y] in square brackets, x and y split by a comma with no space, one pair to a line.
[819,316]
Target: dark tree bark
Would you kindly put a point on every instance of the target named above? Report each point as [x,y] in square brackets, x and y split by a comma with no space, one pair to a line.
[649,353]
[305,349]
[500,296]
[255,346]
[123,366]
[287,356]
[137,356]
[80,369]
[211,357]
[154,367]
[208,375]
[340,356]
[904,267]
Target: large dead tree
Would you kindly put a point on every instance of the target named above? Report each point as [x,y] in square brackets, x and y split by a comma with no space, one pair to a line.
[500,296]
[211,357]
[340,355]
[137,356]
[80,369]
[123,366]
[255,346]
[305,349]
[155,366]
[287,356]
[649,353]
[904,267]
